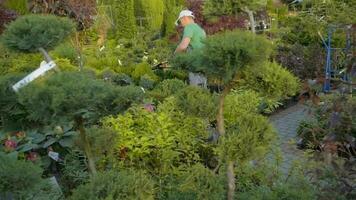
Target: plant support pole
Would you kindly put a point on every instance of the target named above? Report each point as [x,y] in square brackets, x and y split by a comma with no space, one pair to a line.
[45,54]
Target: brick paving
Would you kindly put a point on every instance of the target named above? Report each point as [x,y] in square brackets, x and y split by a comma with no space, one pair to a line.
[286,123]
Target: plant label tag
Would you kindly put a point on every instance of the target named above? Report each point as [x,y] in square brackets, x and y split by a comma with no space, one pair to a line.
[53,155]
[44,67]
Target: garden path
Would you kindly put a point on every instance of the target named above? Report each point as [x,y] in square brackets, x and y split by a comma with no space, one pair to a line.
[286,123]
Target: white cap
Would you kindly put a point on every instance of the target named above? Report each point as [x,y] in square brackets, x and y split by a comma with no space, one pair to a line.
[184,13]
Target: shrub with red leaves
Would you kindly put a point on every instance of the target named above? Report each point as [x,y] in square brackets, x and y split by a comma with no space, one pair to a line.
[220,24]
[10,145]
[6,16]
[81,11]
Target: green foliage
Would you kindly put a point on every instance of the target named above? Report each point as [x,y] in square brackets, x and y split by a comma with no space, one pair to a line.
[16,62]
[123,184]
[30,32]
[65,65]
[248,138]
[20,6]
[67,95]
[196,182]
[123,18]
[239,103]
[67,51]
[143,69]
[190,100]
[167,88]
[74,170]
[22,180]
[272,82]
[11,112]
[159,140]
[152,13]
[225,54]
[334,126]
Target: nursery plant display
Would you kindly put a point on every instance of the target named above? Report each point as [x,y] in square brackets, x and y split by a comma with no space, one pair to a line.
[117,119]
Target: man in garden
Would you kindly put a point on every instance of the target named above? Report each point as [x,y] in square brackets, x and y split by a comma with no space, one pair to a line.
[193,36]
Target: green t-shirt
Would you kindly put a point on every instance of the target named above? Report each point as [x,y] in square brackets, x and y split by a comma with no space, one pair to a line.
[196,35]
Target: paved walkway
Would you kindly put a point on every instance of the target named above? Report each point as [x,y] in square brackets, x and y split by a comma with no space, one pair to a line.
[286,123]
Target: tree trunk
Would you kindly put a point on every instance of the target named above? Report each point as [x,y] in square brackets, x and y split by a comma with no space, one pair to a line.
[252,19]
[45,54]
[230,180]
[220,124]
[86,145]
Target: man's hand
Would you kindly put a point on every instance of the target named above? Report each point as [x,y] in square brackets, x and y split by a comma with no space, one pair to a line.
[183,45]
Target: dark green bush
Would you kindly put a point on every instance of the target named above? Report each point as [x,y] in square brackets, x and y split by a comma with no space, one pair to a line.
[22,180]
[123,184]
[31,32]
[12,113]
[67,95]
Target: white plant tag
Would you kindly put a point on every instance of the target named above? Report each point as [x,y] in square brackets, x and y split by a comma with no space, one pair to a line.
[44,67]
[53,155]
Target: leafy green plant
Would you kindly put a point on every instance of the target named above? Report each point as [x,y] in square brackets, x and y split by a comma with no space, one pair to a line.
[123,184]
[158,140]
[143,69]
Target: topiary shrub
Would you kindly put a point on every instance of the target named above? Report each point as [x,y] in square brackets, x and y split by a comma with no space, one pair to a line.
[77,97]
[22,180]
[31,33]
[123,184]
[272,82]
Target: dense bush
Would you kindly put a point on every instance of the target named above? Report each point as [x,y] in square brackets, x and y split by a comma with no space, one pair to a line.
[159,140]
[22,180]
[123,184]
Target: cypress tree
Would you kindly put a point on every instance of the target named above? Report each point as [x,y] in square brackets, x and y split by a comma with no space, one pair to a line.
[151,12]
[124,18]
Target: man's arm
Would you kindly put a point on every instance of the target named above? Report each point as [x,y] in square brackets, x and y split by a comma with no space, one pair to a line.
[183,45]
